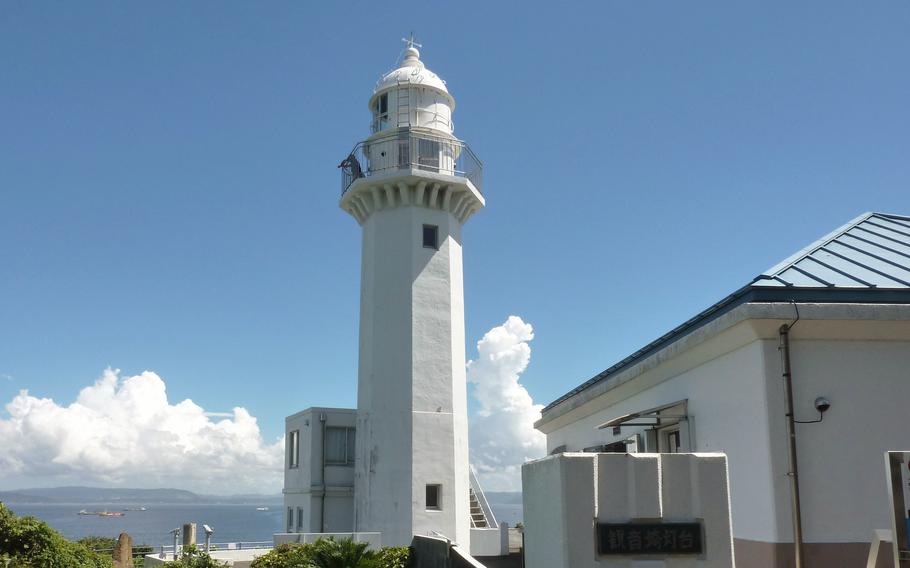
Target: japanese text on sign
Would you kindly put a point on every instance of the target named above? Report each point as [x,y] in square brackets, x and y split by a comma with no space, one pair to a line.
[650,538]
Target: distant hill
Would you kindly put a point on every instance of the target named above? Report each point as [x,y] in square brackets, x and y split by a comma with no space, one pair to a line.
[20,497]
[125,495]
[504,497]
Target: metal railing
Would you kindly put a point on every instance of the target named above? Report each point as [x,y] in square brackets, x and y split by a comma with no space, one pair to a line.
[167,550]
[410,150]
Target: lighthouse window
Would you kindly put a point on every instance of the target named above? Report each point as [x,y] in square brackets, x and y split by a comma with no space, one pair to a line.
[431,237]
[381,112]
[434,497]
[428,154]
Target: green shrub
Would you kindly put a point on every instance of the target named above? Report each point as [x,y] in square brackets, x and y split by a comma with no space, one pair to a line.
[192,557]
[392,557]
[331,553]
[286,556]
[26,542]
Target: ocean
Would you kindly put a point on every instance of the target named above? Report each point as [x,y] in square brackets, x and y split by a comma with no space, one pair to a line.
[232,523]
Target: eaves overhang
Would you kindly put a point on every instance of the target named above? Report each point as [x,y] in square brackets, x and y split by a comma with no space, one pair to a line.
[747,294]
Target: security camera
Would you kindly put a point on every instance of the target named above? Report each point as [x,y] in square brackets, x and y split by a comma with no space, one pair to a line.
[208,529]
[822,404]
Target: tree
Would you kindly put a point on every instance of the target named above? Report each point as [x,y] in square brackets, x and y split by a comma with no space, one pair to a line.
[26,542]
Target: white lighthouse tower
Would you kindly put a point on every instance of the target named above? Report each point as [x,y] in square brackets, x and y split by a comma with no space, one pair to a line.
[411,186]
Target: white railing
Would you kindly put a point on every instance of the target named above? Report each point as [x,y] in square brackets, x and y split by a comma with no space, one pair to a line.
[167,550]
[409,150]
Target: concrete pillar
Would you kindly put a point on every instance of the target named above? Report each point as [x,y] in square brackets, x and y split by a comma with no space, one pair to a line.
[558,496]
[189,534]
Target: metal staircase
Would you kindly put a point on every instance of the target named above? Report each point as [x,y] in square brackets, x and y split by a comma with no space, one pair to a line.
[478,519]
[481,514]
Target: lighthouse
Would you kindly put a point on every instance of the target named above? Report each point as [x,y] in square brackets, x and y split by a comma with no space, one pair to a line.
[411,186]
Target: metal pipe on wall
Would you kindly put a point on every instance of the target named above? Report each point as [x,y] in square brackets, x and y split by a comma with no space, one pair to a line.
[793,474]
[322,419]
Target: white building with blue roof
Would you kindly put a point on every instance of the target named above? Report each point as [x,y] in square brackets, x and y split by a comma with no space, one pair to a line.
[837,316]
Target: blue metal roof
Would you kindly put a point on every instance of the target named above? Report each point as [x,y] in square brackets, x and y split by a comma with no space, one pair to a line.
[865,261]
[871,251]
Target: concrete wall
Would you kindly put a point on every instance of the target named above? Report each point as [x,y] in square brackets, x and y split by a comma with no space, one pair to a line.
[412,401]
[565,494]
[303,485]
[490,542]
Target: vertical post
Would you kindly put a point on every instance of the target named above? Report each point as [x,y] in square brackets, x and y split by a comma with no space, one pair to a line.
[322,419]
[176,533]
[791,446]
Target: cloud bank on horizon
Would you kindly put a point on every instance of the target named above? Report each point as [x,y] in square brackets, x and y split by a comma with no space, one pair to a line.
[124,431]
[502,433]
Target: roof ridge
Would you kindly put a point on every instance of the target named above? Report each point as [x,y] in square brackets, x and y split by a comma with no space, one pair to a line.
[892,215]
[812,247]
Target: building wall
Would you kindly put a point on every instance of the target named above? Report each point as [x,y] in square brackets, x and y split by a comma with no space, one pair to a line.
[727,406]
[303,485]
[841,464]
[736,401]
[411,378]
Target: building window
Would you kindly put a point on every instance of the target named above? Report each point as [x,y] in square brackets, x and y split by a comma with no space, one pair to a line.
[339,446]
[299,519]
[670,440]
[434,497]
[431,237]
[290,520]
[293,449]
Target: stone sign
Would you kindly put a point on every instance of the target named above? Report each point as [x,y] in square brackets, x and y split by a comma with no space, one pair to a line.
[649,538]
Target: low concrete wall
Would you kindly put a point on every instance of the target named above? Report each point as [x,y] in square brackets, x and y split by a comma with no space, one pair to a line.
[434,552]
[490,542]
[566,495]
[233,558]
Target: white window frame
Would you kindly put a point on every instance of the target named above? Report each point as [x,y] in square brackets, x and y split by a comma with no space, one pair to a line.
[293,449]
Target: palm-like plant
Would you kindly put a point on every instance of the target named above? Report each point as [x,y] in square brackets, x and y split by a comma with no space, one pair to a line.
[345,553]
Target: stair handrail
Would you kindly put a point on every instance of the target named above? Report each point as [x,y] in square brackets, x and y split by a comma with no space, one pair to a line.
[482,499]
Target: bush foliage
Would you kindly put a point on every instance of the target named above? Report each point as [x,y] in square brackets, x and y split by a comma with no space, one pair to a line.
[26,542]
[192,557]
[331,553]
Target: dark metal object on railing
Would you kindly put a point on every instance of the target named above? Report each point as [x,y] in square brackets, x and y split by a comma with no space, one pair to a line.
[410,150]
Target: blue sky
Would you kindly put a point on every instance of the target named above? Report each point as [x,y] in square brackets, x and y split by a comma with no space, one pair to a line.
[168,181]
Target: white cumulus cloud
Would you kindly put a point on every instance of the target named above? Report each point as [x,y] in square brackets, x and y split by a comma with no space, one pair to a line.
[502,430]
[124,431]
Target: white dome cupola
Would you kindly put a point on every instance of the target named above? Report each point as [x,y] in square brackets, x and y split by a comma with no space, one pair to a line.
[412,157]
[411,96]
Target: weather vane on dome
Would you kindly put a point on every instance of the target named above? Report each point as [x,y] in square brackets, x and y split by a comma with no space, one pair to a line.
[411,41]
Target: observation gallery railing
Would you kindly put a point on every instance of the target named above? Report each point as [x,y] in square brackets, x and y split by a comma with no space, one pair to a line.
[411,150]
